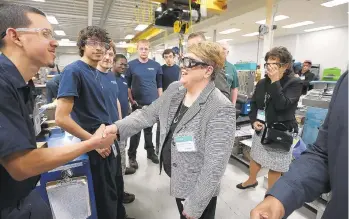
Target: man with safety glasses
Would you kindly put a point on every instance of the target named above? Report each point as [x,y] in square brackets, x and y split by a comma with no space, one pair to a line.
[81,108]
[27,44]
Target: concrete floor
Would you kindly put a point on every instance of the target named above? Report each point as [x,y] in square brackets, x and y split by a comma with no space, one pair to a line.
[154,202]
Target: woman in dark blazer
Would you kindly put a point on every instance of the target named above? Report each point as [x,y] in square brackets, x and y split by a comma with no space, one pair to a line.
[281,90]
[197,126]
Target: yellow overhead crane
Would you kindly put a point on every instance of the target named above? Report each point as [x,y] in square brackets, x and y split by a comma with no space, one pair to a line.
[211,5]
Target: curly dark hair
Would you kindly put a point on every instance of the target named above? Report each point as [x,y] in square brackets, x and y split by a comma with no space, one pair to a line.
[89,32]
[281,53]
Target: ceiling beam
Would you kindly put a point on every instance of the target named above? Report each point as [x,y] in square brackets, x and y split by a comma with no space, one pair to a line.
[93,18]
[108,5]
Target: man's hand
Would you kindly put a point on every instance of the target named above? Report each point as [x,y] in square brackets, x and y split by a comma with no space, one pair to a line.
[273,73]
[101,140]
[296,75]
[270,208]
[258,126]
[105,152]
[187,216]
[110,130]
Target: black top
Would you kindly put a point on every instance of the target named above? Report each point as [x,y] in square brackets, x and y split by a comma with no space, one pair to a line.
[166,149]
[282,102]
[170,74]
[16,129]
[324,166]
[222,84]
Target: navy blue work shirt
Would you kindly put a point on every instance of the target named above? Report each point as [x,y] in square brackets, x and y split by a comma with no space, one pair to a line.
[170,75]
[83,82]
[111,93]
[16,130]
[123,94]
[144,79]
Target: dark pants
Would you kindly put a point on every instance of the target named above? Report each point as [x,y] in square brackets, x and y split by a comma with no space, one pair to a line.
[209,212]
[31,207]
[108,185]
[148,140]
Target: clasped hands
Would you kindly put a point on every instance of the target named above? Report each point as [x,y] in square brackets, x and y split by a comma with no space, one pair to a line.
[103,138]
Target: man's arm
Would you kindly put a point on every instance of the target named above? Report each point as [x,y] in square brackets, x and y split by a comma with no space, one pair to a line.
[234,95]
[63,119]
[160,91]
[32,162]
[159,76]
[119,109]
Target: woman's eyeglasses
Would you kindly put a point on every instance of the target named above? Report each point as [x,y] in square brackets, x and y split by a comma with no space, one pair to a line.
[94,44]
[187,62]
[278,64]
[45,32]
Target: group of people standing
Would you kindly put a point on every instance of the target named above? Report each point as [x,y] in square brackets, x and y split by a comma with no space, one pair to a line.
[195,118]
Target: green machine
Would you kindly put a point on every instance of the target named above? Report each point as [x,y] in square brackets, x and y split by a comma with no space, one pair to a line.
[331,74]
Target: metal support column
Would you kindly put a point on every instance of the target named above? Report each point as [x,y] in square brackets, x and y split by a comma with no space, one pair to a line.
[90,12]
[214,39]
[268,38]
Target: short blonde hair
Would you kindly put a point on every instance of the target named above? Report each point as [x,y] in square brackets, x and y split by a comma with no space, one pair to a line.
[210,53]
[143,41]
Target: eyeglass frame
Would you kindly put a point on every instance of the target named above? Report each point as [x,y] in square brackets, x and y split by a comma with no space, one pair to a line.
[196,63]
[279,64]
[34,30]
[99,44]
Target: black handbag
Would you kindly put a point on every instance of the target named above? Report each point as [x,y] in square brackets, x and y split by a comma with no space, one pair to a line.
[277,137]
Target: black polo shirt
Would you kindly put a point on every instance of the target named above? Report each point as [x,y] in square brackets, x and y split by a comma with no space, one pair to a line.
[16,130]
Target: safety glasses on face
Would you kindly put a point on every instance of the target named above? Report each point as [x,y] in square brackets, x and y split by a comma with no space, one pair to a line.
[45,32]
[187,62]
[266,65]
[95,43]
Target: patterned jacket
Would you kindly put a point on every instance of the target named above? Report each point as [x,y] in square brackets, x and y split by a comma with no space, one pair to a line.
[210,120]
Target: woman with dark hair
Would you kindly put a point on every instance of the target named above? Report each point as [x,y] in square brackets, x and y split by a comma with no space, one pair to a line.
[274,103]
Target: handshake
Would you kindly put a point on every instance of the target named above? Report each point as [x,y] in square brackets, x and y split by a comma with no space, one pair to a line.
[104,137]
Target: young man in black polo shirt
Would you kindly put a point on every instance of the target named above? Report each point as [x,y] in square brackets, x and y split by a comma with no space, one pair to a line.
[144,78]
[81,108]
[27,44]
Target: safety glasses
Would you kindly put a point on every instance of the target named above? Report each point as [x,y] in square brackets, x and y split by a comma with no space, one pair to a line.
[45,32]
[187,62]
[266,65]
[94,44]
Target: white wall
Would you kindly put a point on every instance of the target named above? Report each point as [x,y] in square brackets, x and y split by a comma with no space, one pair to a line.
[329,48]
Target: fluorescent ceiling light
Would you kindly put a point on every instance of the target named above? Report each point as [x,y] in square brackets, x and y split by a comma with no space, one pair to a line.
[298,24]
[52,19]
[224,40]
[251,34]
[319,28]
[232,30]
[65,40]
[129,37]
[208,38]
[277,18]
[141,27]
[60,32]
[38,0]
[125,45]
[159,9]
[334,3]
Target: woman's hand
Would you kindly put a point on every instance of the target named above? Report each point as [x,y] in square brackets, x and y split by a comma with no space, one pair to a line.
[258,126]
[273,73]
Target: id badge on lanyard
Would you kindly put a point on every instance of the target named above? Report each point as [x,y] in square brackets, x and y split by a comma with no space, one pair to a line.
[261,113]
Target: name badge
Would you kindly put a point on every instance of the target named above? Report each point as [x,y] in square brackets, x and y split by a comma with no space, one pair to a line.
[185,144]
[261,115]
[115,152]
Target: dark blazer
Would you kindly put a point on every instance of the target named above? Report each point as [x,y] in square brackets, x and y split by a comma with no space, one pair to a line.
[324,166]
[283,102]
